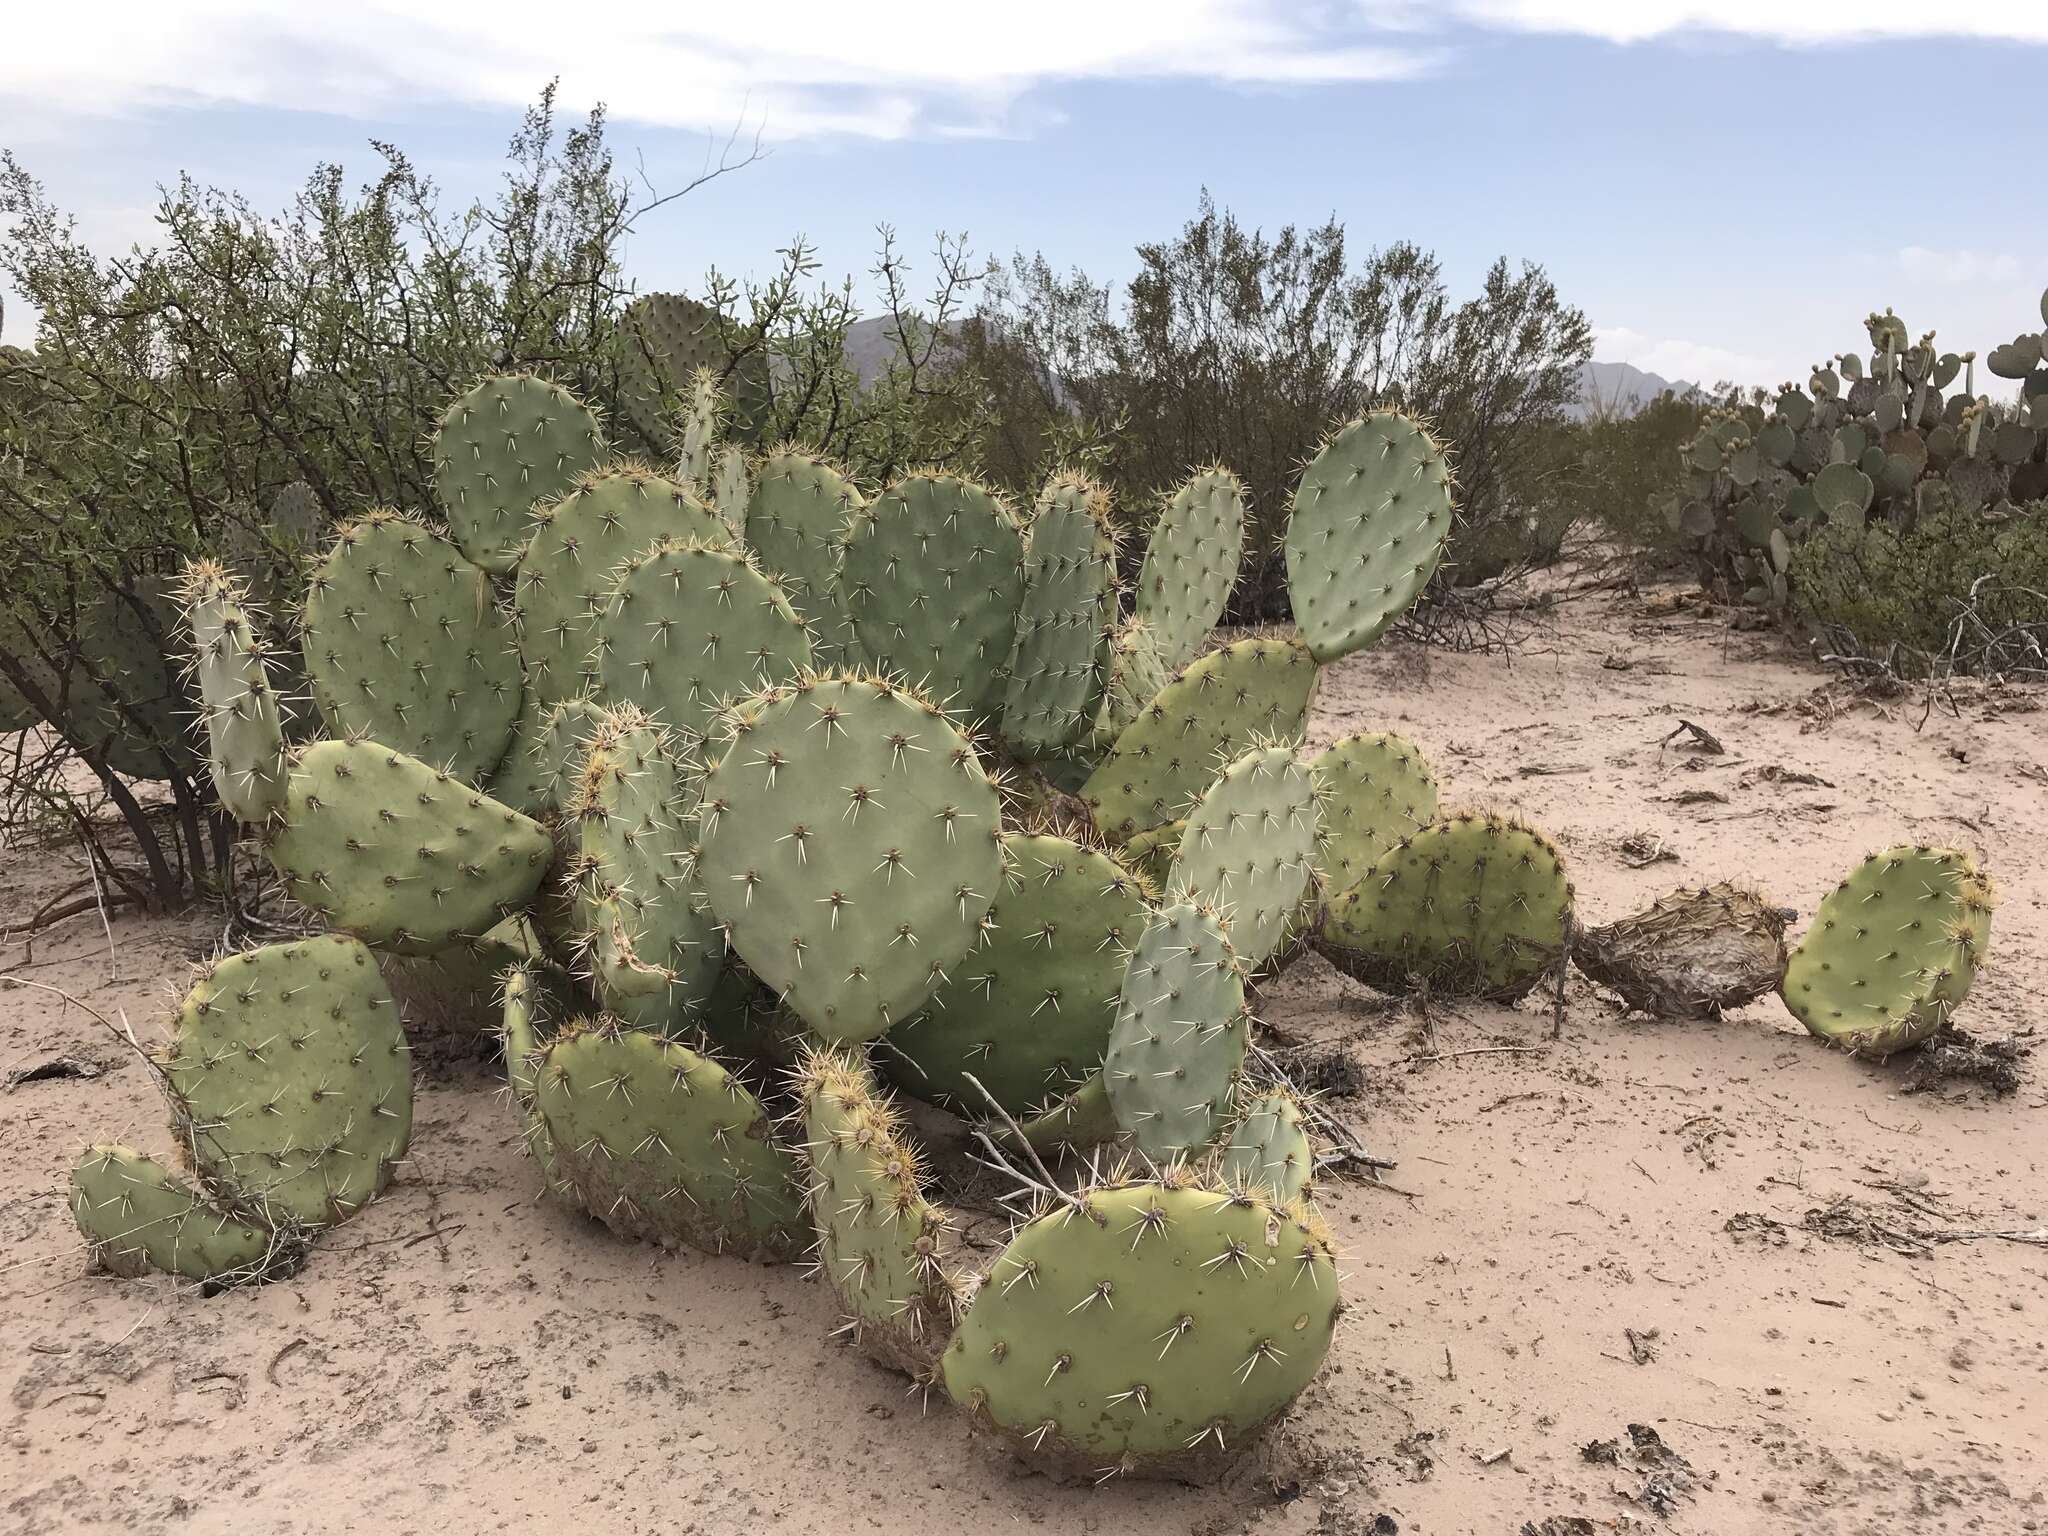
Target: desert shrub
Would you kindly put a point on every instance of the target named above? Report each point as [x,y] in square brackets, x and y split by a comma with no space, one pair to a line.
[1615,473]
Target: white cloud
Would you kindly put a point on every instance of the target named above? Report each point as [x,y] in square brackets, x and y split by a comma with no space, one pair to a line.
[1786,21]
[1957,267]
[1696,362]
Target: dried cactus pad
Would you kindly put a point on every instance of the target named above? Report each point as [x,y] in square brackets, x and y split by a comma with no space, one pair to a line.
[1370,518]
[511,442]
[289,1078]
[578,545]
[1476,904]
[850,844]
[1180,1034]
[1063,625]
[1028,1013]
[1376,789]
[796,518]
[1892,950]
[880,1242]
[930,578]
[1691,955]
[1256,689]
[687,627]
[1154,1332]
[1268,1148]
[238,712]
[398,853]
[1249,846]
[404,642]
[661,1143]
[1191,563]
[137,1216]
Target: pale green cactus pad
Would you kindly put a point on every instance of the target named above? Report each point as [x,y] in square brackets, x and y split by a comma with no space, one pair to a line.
[1249,846]
[1153,1332]
[509,444]
[850,843]
[881,1245]
[659,1142]
[666,338]
[1151,852]
[1370,518]
[1136,670]
[1268,1149]
[1073,1122]
[404,642]
[137,1217]
[1191,564]
[539,774]
[1892,950]
[1474,904]
[1057,668]
[1376,789]
[796,519]
[290,1081]
[1180,1035]
[238,711]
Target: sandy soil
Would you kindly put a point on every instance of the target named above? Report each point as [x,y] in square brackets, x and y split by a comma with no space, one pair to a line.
[1624,1227]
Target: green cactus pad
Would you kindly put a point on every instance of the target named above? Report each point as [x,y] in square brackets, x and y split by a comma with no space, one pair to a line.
[1057,668]
[881,1244]
[289,1078]
[1376,790]
[1476,904]
[1191,564]
[238,712]
[1151,852]
[398,853]
[578,545]
[103,660]
[1180,1034]
[796,519]
[1370,518]
[526,1026]
[666,338]
[658,1142]
[509,444]
[1249,846]
[1028,1013]
[403,642]
[930,579]
[539,774]
[1154,1332]
[1253,689]
[850,845]
[450,998]
[1892,950]
[1268,1149]
[1135,672]
[1072,1122]
[688,627]
[137,1216]
[1844,494]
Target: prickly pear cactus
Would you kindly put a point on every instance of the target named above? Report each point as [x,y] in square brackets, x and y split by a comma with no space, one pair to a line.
[1151,852]
[398,853]
[688,627]
[1136,670]
[137,1216]
[850,844]
[578,545]
[1180,1034]
[1028,1013]
[540,773]
[1250,690]
[881,1245]
[102,657]
[510,443]
[1075,1121]
[1057,668]
[290,1081]
[703,417]
[529,1021]
[1268,1149]
[1191,564]
[1691,955]
[238,712]
[1376,789]
[1370,518]
[404,642]
[659,1142]
[666,338]
[930,578]
[1476,904]
[1892,950]
[1152,1333]
[1248,848]
[796,520]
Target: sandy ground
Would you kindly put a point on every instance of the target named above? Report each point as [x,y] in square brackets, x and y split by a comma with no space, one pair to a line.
[1608,1231]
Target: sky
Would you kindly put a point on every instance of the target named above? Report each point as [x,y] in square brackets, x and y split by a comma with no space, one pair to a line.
[1726,187]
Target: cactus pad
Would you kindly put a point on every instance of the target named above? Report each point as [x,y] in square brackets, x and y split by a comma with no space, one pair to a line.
[398,853]
[796,519]
[666,338]
[850,845]
[1191,564]
[289,1078]
[237,709]
[661,1143]
[1477,904]
[539,774]
[1180,1034]
[1376,790]
[1892,950]
[1249,846]
[1370,518]
[1152,851]
[1028,1013]
[930,578]
[1153,1332]
[404,643]
[1069,602]
[137,1216]
[1268,1148]
[1691,955]
[510,443]
[1250,690]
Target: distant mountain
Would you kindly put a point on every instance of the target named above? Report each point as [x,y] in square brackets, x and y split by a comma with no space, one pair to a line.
[1620,387]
